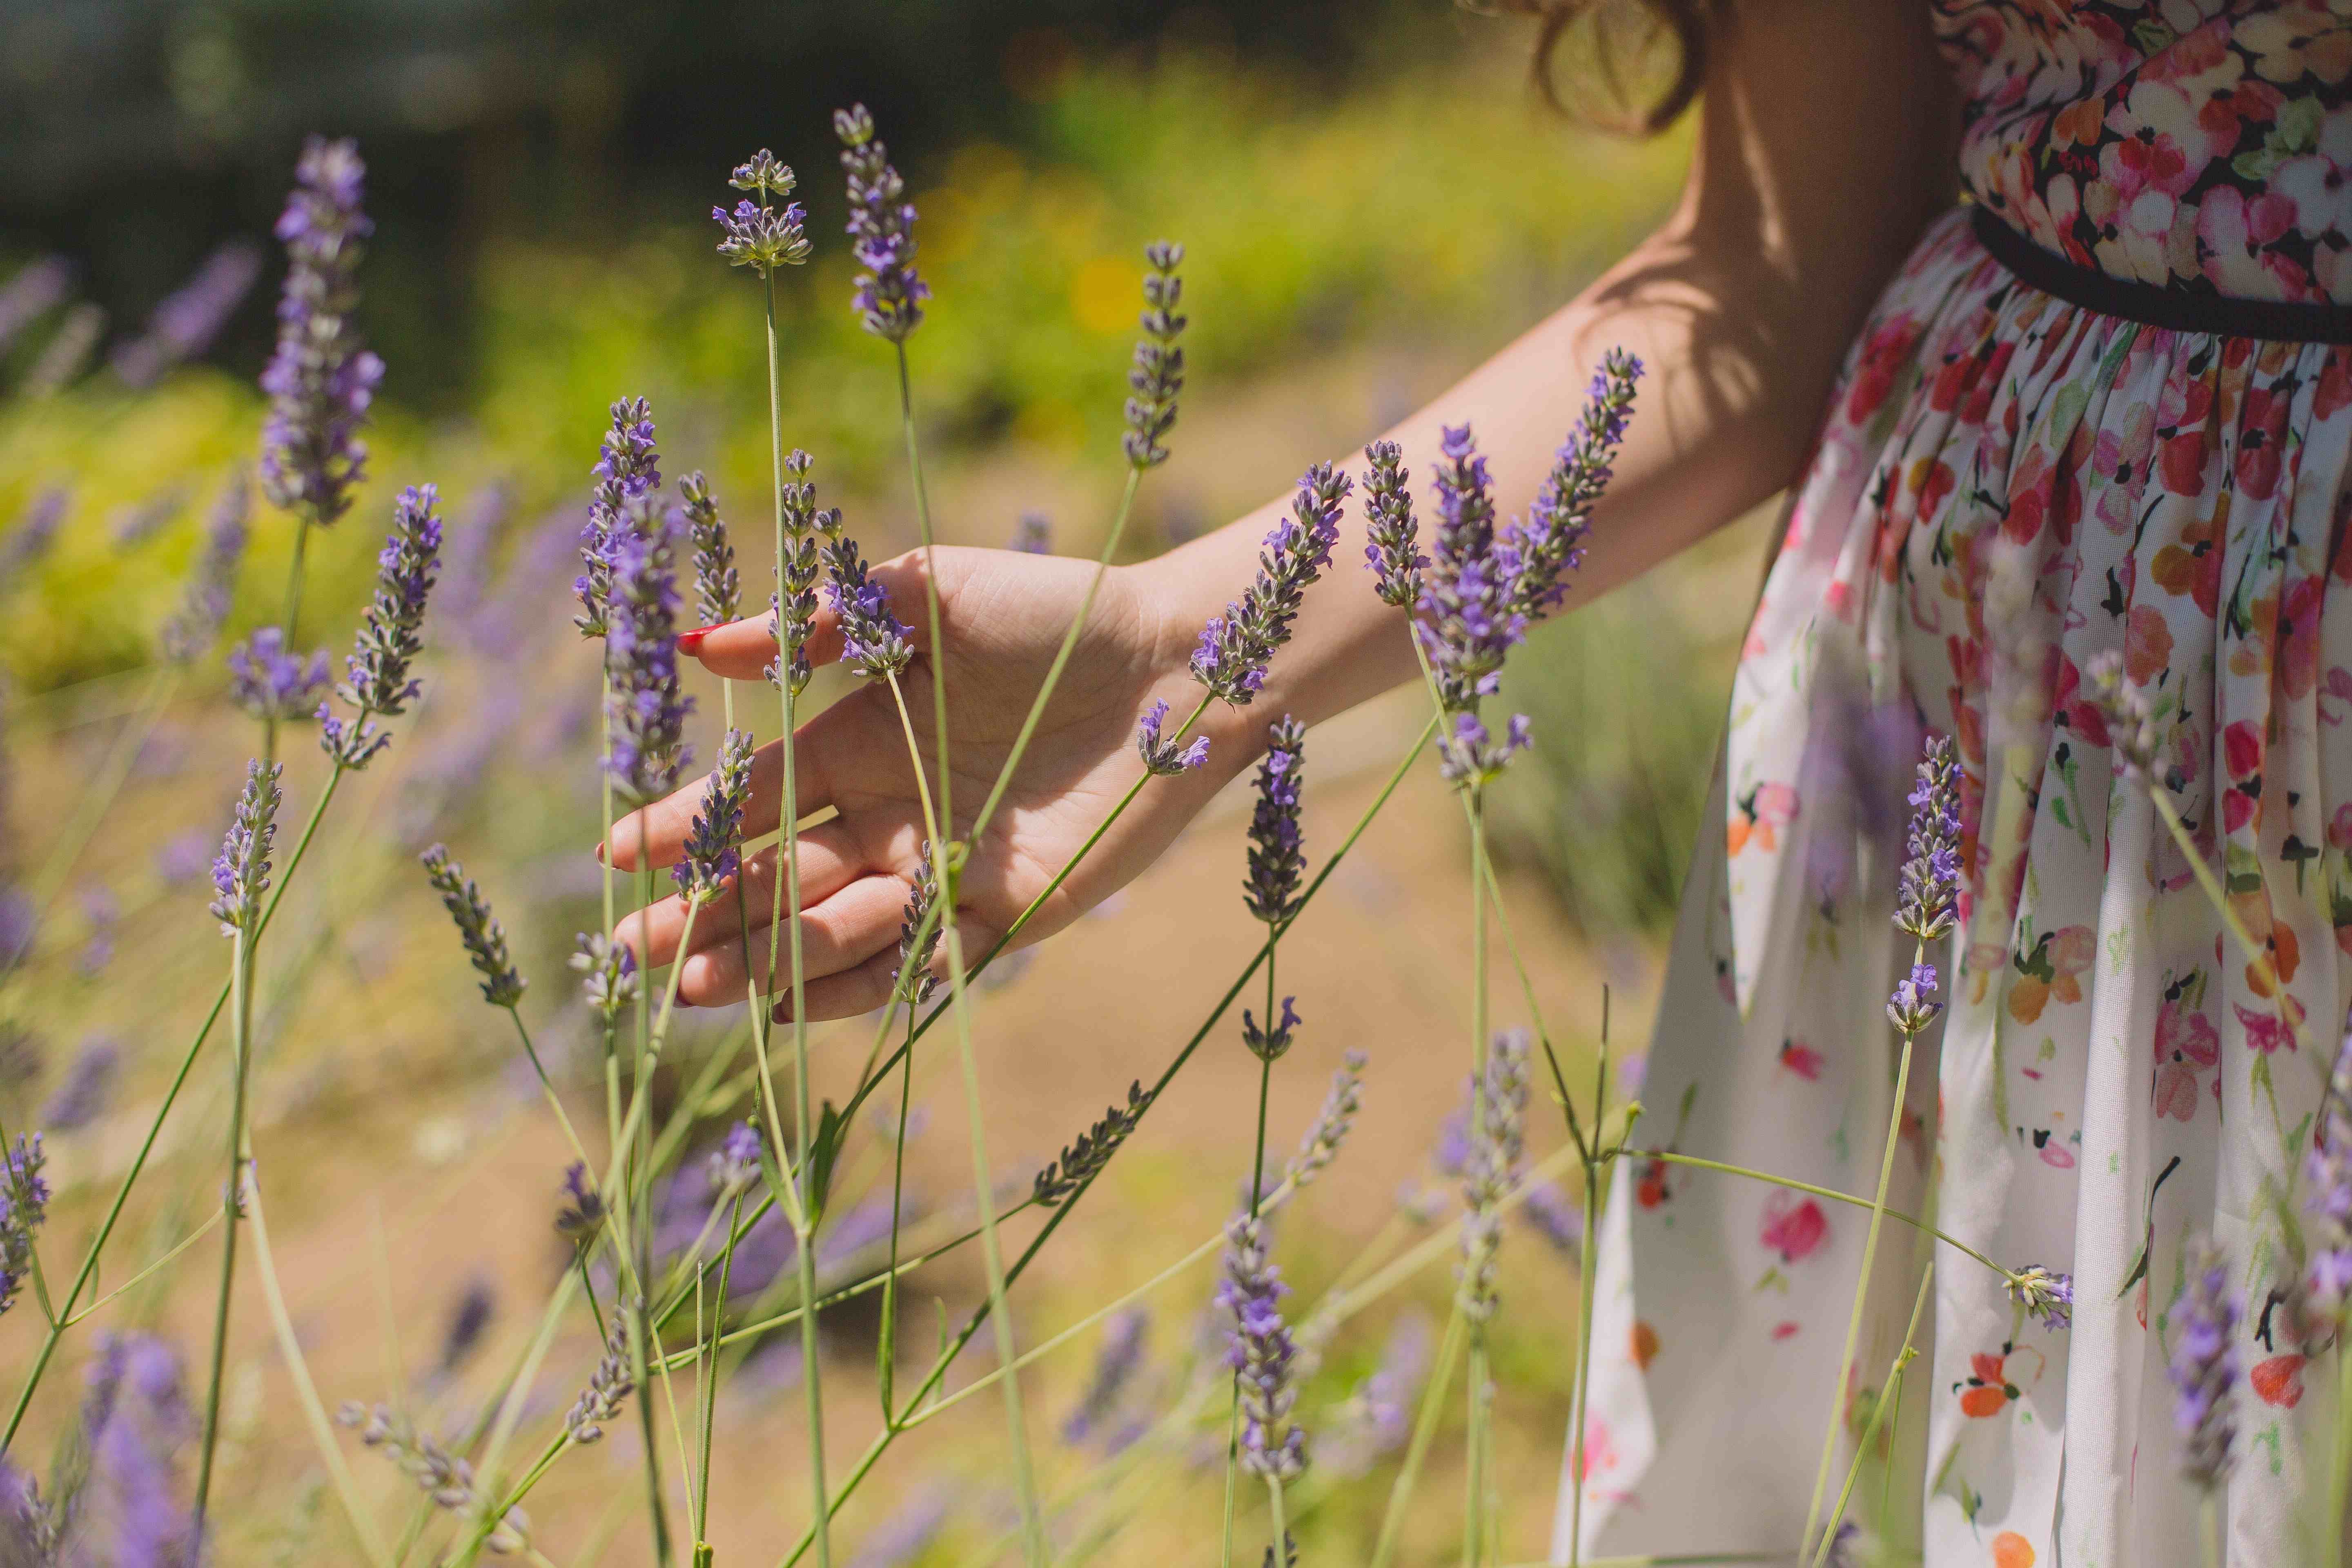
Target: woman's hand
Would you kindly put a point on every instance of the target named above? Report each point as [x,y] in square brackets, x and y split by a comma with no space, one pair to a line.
[1003,616]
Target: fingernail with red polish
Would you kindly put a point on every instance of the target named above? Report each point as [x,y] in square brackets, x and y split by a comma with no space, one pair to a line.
[690,643]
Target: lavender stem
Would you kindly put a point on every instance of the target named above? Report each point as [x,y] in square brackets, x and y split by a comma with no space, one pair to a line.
[1904,1356]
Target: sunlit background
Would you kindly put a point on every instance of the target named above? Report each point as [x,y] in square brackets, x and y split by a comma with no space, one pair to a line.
[1371,199]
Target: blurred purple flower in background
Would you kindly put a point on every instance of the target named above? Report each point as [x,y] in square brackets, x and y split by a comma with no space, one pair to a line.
[30,293]
[190,317]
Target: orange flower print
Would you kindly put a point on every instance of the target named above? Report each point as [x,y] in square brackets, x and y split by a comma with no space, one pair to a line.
[2054,967]
[1762,811]
[1992,1382]
[2278,1381]
[1644,1345]
[2147,644]
[2010,1550]
[2192,567]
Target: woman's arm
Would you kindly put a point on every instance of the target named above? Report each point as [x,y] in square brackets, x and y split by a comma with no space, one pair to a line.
[1825,145]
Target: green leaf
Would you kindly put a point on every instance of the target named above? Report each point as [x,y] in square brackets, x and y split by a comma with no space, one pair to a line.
[824,1150]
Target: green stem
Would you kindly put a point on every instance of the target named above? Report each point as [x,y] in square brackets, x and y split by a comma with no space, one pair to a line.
[1424,1427]
[642,1191]
[707,1415]
[1903,1358]
[930,605]
[886,1365]
[1862,1284]
[1668,1156]
[241,1047]
[1585,1287]
[2339,1472]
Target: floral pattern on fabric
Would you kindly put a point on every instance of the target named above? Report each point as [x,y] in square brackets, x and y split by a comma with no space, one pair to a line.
[2187,144]
[2007,487]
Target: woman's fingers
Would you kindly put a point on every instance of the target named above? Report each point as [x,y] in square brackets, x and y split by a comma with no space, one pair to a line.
[663,825]
[829,861]
[848,994]
[837,934]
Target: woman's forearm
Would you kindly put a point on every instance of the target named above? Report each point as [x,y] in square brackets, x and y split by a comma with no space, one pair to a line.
[1824,149]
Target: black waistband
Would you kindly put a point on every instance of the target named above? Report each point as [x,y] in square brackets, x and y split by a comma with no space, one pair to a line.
[2179,309]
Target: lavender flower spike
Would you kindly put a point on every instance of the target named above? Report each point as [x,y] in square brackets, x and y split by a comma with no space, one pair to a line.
[271,683]
[1465,620]
[1260,1350]
[1237,646]
[1273,1041]
[1913,1005]
[1158,373]
[1393,547]
[205,603]
[1550,543]
[24,1204]
[915,981]
[757,234]
[1166,758]
[648,712]
[718,591]
[582,1214]
[2328,1198]
[2205,1365]
[609,974]
[36,532]
[890,299]
[1928,894]
[608,1385]
[1082,1160]
[319,380]
[2137,724]
[1034,534]
[241,874]
[1493,1166]
[627,467]
[735,1164]
[1470,757]
[484,939]
[1277,855]
[391,634]
[714,843]
[874,642]
[1331,1125]
[2044,1293]
[190,316]
[792,618]
[1115,1368]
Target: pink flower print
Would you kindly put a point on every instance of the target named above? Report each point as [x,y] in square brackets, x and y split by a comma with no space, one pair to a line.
[2185,1035]
[2265,1032]
[2339,826]
[1600,1453]
[2234,236]
[2176,1090]
[1794,1229]
[2297,637]
[2319,189]
[1803,1060]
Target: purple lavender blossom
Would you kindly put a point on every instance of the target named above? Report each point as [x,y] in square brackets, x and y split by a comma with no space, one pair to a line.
[1465,620]
[761,236]
[714,843]
[1260,1350]
[1083,1159]
[212,582]
[1930,890]
[2328,1198]
[718,589]
[1393,539]
[1497,1139]
[134,1419]
[1166,758]
[1550,543]
[1034,534]
[183,858]
[241,873]
[581,1214]
[647,711]
[142,519]
[271,683]
[764,174]
[608,1385]
[29,1527]
[890,299]
[465,559]
[391,633]
[104,912]
[907,1535]
[1375,1420]
[1332,1123]
[485,940]
[80,1098]
[1157,376]
[30,293]
[320,381]
[1548,1211]
[1272,1042]
[628,468]
[915,981]
[190,316]
[24,1205]
[1236,647]
[19,924]
[36,532]
[445,1478]
[1913,1007]
[792,618]
[469,1318]
[874,642]
[734,1165]
[2046,1294]
[1116,1364]
[1277,853]
[2205,1365]
[1470,756]
[608,972]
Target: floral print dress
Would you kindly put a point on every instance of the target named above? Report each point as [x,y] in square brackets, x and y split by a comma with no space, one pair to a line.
[2007,487]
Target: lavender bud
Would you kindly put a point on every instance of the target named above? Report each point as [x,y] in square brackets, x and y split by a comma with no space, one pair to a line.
[1393,547]
[241,874]
[1331,1125]
[628,467]
[874,642]
[1084,1159]
[794,623]
[477,1304]
[1378,1417]
[36,532]
[1236,647]
[2328,1198]
[1913,1007]
[1470,758]
[1116,1364]
[608,1386]
[609,971]
[2046,1294]
[1158,373]
[190,316]
[1260,1350]
[915,981]
[734,1165]
[440,1475]
[582,1215]
[80,1096]
[24,1205]
[319,380]
[2205,1365]
[1465,620]
[484,939]
[1270,1044]
[391,633]
[1549,1212]
[1166,758]
[714,843]
[1550,544]
[1497,1140]
[1277,854]
[205,602]
[2137,724]
[762,237]
[718,591]
[1034,535]
[1929,893]
[890,299]
[647,750]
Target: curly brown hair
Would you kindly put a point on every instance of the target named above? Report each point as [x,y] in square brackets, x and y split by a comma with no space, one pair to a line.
[1649,56]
